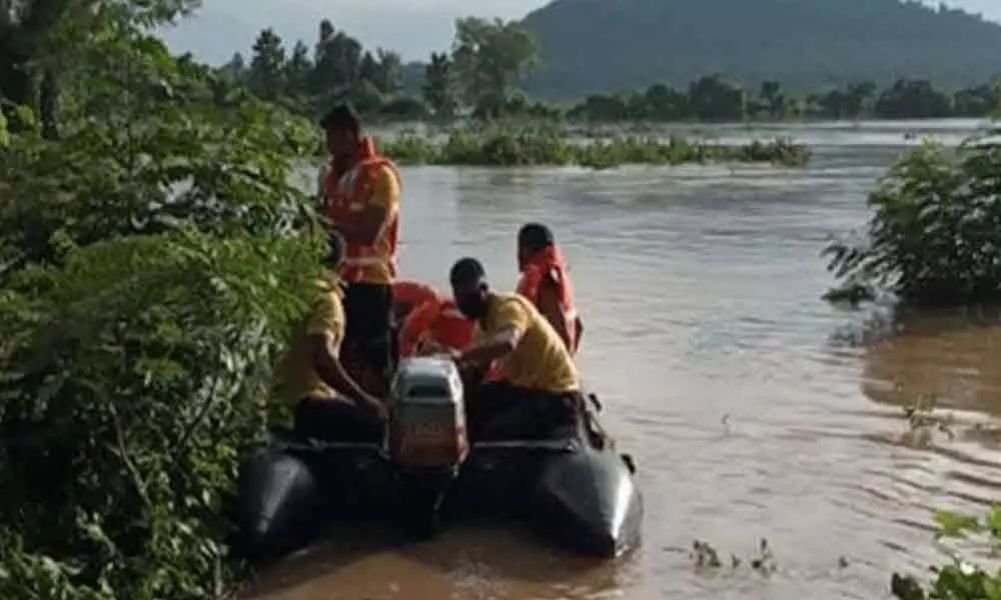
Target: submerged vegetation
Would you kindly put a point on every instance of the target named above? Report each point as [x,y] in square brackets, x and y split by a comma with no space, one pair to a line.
[959,579]
[933,236]
[528,147]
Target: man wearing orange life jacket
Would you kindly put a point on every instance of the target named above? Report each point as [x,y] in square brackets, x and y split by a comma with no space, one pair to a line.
[545,282]
[435,326]
[362,194]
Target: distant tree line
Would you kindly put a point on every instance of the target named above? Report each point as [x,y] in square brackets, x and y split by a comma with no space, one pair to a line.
[483,73]
[483,76]
[713,98]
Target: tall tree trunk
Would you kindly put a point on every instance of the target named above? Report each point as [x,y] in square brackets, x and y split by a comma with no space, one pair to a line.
[23,26]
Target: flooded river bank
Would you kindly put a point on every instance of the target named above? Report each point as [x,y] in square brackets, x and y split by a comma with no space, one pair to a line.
[754,409]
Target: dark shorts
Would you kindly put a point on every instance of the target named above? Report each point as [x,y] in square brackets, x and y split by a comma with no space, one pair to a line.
[368,310]
[335,422]
[499,411]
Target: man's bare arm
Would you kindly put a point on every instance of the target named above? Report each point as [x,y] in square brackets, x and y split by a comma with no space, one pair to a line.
[332,372]
[491,349]
[549,306]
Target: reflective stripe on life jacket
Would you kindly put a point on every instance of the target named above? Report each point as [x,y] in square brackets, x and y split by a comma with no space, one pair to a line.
[347,195]
[549,264]
[438,321]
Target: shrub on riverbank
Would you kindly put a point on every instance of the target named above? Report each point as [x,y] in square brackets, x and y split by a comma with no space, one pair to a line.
[933,236]
[152,262]
[135,375]
[527,147]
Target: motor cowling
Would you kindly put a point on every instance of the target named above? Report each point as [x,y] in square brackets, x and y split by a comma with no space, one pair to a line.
[428,417]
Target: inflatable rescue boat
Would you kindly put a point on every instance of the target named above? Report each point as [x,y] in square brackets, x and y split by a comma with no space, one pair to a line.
[579,495]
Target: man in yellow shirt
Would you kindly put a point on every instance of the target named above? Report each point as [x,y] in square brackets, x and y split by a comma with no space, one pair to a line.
[330,403]
[362,195]
[540,389]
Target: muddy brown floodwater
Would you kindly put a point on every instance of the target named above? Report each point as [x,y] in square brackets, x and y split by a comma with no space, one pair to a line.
[754,409]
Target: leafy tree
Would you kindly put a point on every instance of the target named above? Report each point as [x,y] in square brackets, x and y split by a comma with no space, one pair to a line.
[976,102]
[368,70]
[298,69]
[338,61]
[491,59]
[366,97]
[834,104]
[772,99]
[913,99]
[715,99]
[439,87]
[146,293]
[858,97]
[665,103]
[235,70]
[40,41]
[601,108]
[389,72]
[267,67]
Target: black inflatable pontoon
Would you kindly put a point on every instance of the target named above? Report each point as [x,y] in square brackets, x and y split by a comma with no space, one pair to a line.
[572,492]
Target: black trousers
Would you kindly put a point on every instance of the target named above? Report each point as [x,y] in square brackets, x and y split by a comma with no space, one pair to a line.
[368,309]
[335,421]
[501,411]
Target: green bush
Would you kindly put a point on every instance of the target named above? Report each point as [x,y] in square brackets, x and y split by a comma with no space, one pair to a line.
[933,236]
[134,376]
[957,580]
[410,149]
[152,262]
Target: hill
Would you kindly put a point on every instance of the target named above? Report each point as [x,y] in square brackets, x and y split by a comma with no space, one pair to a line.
[604,45]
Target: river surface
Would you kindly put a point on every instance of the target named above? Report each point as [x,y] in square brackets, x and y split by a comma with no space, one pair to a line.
[754,409]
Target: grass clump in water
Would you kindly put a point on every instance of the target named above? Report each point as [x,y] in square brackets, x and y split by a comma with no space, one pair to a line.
[542,147]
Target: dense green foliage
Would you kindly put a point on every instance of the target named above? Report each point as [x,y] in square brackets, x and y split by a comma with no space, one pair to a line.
[439,89]
[596,46]
[959,579]
[338,67]
[491,59]
[933,236]
[715,99]
[485,69]
[153,259]
[506,146]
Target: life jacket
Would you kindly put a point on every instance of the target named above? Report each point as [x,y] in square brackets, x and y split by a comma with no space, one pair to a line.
[549,264]
[408,295]
[436,320]
[347,193]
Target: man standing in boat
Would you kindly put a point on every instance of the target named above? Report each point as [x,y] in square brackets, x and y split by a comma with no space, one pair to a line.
[546,283]
[330,404]
[540,388]
[362,196]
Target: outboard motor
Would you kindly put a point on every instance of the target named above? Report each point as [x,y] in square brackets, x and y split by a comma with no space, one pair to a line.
[427,437]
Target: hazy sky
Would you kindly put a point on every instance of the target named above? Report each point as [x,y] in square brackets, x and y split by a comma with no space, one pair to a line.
[412,27]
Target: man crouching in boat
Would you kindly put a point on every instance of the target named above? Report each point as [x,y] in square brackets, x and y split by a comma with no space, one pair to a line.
[331,405]
[539,392]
